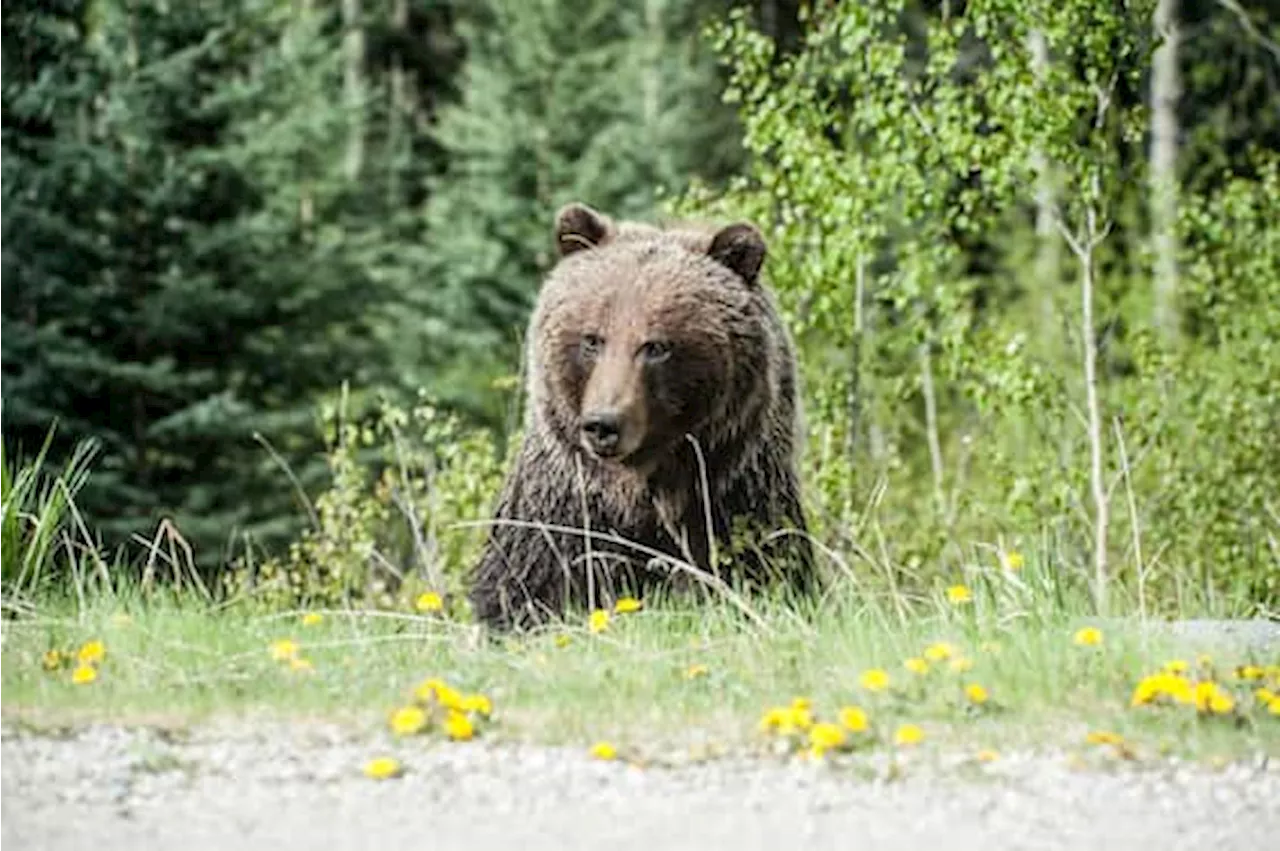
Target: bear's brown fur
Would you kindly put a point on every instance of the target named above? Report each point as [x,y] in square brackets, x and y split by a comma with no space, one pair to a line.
[656,362]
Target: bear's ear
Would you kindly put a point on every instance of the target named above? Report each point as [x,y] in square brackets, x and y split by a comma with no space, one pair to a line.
[741,248]
[578,227]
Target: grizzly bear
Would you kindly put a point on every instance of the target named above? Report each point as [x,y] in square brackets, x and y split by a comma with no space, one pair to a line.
[661,426]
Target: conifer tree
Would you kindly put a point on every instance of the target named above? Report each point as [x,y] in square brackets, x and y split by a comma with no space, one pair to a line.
[180,274]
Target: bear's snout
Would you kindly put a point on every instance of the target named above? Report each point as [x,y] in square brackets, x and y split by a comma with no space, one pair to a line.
[602,433]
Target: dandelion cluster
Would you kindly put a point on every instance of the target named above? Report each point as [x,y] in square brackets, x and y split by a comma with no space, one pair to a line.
[84,662]
[797,728]
[1179,683]
[437,705]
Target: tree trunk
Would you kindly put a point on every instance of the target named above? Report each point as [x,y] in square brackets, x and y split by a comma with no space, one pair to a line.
[931,424]
[1101,509]
[1048,258]
[353,85]
[1165,91]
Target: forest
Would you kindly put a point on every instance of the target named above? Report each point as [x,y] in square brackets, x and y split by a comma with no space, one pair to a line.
[267,264]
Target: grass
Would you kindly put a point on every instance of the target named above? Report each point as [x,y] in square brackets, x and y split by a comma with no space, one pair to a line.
[664,679]
[171,660]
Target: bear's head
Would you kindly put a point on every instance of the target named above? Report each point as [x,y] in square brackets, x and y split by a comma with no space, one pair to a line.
[643,335]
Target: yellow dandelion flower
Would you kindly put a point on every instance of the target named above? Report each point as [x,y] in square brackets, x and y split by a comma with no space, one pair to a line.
[52,660]
[1273,706]
[939,652]
[302,666]
[1088,636]
[799,716]
[383,767]
[626,606]
[959,594]
[961,664]
[1176,666]
[774,718]
[823,737]
[1147,690]
[312,619]
[599,621]
[1104,737]
[449,698]
[477,703]
[854,719]
[92,652]
[908,734]
[1014,561]
[563,641]
[1156,686]
[408,720]
[604,751]
[977,694]
[787,720]
[84,674]
[1211,698]
[429,688]
[916,665]
[1179,690]
[429,601]
[458,726]
[874,679]
[986,756]
[694,671]
[1264,695]
[283,649]
[1249,672]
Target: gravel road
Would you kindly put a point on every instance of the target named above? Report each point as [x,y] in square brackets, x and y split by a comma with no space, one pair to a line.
[300,789]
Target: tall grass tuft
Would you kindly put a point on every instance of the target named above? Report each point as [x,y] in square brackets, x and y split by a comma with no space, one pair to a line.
[37,517]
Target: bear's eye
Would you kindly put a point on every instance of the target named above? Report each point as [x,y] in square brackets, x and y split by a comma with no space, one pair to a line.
[591,345]
[655,351]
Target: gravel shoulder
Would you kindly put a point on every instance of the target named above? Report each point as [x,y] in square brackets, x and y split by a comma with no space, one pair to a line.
[251,787]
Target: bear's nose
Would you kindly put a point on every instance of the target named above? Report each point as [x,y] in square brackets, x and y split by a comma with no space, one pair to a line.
[603,430]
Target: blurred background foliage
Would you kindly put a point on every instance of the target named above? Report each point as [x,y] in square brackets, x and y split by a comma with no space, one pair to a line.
[271,261]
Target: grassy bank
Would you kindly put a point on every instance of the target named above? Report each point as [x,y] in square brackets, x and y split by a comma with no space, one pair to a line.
[652,679]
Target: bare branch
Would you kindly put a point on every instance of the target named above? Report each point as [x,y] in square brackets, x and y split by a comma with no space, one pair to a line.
[1076,246]
[1104,96]
[1250,30]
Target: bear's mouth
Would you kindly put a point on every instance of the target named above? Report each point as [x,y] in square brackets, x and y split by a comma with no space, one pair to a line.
[643,458]
[610,454]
